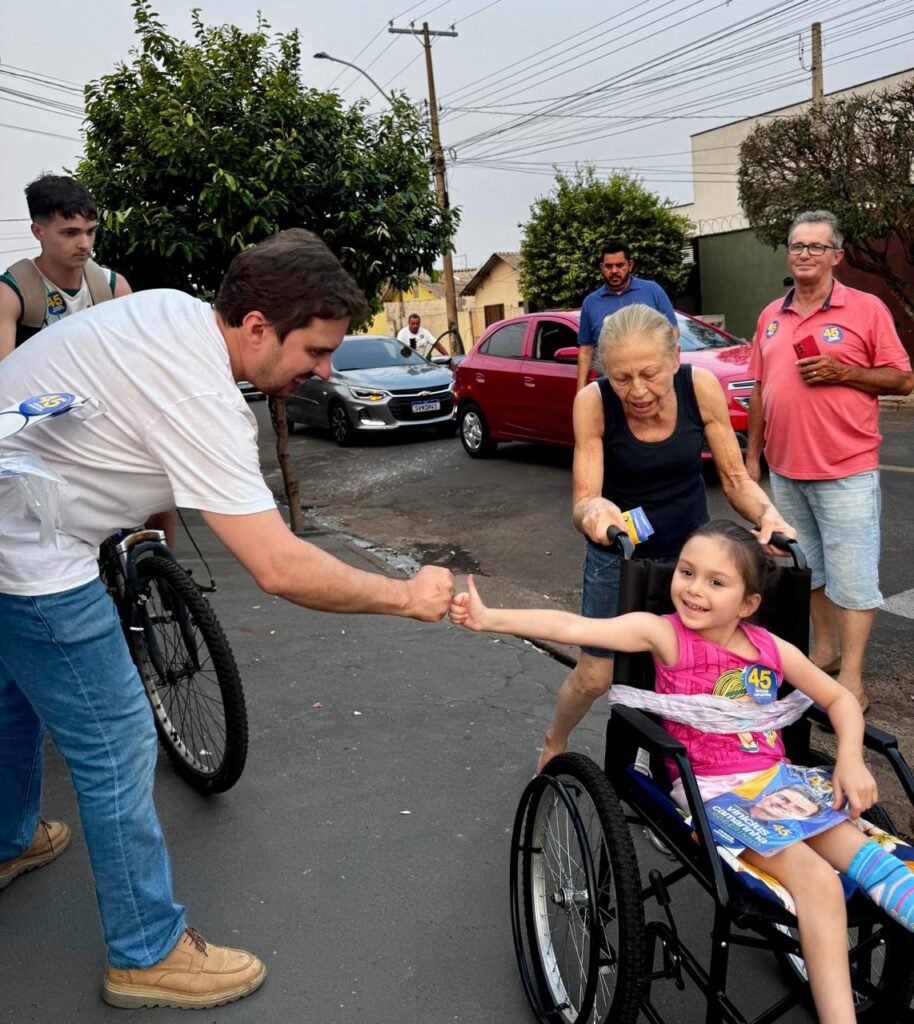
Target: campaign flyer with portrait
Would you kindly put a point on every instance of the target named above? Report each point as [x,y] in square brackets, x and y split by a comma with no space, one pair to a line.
[778,807]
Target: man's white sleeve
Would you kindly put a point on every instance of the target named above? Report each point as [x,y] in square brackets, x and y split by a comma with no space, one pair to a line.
[208,449]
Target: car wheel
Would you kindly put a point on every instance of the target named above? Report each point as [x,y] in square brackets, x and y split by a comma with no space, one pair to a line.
[290,424]
[474,432]
[340,425]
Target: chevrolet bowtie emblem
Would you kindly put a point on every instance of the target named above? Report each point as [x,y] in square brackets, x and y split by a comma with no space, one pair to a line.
[423,394]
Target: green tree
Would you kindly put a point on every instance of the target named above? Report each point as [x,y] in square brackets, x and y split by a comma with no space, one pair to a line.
[564,236]
[853,156]
[197,149]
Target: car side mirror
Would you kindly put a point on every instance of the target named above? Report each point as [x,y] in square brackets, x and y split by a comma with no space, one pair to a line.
[566,355]
[442,360]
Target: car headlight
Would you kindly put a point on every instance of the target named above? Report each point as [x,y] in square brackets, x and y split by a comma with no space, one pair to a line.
[368,394]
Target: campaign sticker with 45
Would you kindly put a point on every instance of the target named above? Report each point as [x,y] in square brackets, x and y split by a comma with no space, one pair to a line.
[41,405]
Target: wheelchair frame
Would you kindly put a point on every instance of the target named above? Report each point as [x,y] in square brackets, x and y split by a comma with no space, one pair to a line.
[735,913]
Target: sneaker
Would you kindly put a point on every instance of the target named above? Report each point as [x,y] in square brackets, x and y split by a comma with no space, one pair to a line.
[51,839]
[195,975]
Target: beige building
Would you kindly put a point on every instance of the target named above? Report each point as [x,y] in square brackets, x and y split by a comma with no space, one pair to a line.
[426,298]
[738,274]
[715,161]
[484,295]
[493,293]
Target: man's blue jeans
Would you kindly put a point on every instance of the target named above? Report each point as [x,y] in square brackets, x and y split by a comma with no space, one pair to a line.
[64,664]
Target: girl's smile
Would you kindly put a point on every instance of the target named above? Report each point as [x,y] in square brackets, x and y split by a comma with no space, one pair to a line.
[708,591]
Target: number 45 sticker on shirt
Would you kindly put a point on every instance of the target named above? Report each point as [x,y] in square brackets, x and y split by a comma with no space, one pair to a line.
[19,415]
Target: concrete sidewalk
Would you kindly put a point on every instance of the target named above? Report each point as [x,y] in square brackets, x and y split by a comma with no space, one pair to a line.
[363,854]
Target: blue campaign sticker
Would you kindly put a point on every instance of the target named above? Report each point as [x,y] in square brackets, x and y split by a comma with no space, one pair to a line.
[772,329]
[761,683]
[832,334]
[41,405]
[56,304]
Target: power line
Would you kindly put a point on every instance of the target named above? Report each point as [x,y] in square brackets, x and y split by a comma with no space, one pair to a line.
[479,10]
[567,135]
[27,76]
[36,131]
[712,39]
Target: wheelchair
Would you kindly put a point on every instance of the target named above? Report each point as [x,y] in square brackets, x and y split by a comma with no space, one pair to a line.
[585,951]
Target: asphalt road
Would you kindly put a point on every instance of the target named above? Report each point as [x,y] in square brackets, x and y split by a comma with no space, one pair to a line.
[365,912]
[507,519]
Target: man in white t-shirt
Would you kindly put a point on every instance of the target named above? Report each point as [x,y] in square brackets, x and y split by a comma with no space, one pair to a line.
[164,424]
[419,339]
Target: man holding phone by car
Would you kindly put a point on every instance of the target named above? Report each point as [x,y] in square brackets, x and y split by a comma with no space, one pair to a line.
[822,355]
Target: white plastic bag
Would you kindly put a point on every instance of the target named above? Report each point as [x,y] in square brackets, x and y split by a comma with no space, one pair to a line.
[28,489]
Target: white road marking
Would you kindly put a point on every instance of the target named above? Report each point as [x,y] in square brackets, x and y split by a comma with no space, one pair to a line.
[901,604]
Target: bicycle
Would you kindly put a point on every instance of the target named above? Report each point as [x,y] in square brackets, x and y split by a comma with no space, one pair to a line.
[183,657]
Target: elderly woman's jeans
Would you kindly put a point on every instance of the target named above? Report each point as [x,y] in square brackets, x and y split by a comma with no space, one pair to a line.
[64,664]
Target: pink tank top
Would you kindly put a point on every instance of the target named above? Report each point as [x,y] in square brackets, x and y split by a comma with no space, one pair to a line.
[703,667]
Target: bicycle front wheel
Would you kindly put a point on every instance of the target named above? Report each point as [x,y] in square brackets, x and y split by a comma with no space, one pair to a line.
[191,678]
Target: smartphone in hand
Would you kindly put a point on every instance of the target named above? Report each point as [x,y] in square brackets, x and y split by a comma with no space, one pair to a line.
[806,347]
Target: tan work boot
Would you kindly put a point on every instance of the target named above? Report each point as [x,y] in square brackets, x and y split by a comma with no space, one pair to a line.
[51,839]
[193,976]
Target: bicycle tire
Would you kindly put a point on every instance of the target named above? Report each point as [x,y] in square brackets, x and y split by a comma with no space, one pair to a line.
[195,690]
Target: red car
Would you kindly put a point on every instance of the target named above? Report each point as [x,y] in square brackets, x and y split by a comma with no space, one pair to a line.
[518,382]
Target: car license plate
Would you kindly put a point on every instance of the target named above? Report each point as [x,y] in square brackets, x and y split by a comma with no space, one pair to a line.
[426,406]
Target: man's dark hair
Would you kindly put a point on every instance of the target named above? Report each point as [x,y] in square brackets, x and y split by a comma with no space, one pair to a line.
[53,194]
[414,316]
[615,245]
[291,278]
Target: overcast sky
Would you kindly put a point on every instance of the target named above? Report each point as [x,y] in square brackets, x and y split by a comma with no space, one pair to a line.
[556,81]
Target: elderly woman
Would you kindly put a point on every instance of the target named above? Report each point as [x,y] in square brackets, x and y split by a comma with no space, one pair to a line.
[638,441]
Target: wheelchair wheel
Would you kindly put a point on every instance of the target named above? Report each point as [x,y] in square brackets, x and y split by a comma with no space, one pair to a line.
[577,914]
[191,678]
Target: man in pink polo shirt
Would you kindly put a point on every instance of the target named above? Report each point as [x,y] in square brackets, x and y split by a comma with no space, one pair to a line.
[822,356]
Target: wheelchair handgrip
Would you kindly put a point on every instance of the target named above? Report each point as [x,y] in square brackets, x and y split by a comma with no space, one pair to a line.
[620,540]
[790,546]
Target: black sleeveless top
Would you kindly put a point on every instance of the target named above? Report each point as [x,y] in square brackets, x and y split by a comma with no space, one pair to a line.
[663,477]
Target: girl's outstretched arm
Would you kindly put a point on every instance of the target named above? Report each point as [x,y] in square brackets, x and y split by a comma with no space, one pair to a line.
[851,778]
[638,631]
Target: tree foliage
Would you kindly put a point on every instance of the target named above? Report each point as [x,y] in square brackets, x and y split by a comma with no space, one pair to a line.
[853,156]
[564,236]
[198,149]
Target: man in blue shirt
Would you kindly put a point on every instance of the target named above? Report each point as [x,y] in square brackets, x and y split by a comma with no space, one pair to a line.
[621,289]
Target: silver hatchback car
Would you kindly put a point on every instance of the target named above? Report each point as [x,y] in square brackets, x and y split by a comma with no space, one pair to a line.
[377,384]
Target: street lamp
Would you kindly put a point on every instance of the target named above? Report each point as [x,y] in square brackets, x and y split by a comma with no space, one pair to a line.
[361,71]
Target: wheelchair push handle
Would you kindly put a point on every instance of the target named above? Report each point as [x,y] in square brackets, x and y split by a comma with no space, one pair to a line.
[620,541]
[791,547]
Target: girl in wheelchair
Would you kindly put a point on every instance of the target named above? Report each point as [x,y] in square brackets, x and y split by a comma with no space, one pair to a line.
[716,589]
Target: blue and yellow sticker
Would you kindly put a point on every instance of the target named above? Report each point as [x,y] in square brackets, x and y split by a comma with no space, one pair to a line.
[772,329]
[40,405]
[57,306]
[761,683]
[832,334]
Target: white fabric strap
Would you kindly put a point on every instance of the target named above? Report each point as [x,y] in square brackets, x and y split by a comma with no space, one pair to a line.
[714,714]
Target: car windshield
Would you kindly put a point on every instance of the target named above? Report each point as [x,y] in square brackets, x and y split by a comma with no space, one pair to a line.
[366,353]
[694,335]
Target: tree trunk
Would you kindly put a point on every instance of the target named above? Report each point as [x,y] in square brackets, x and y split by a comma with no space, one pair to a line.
[289,480]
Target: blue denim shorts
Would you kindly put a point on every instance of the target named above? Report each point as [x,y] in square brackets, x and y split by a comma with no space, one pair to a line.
[837,524]
[600,600]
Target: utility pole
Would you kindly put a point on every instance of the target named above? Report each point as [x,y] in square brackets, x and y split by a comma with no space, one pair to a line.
[817,90]
[437,162]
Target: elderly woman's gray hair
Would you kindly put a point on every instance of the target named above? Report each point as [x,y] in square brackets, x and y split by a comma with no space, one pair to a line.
[636,321]
[819,217]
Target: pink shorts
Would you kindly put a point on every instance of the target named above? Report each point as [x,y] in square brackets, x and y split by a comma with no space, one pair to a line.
[710,786]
